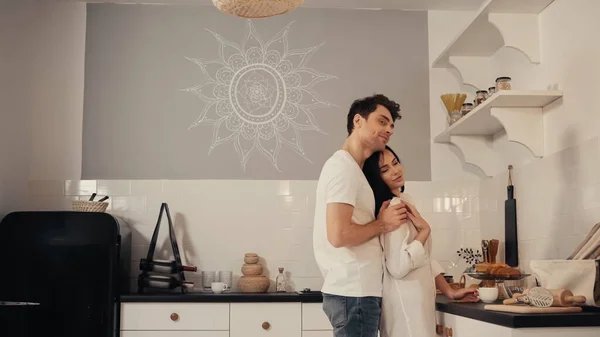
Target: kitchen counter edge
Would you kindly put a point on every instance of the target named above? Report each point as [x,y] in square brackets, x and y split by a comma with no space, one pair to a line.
[234,297]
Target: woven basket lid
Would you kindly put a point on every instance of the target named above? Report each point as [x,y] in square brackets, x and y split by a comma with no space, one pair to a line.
[257,8]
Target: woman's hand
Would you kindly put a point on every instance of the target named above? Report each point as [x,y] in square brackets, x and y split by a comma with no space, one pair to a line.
[416,218]
[466,294]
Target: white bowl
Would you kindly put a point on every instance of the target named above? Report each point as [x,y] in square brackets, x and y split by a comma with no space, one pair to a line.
[488,295]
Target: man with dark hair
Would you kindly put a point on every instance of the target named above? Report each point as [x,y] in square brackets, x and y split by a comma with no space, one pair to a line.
[364,107]
[346,232]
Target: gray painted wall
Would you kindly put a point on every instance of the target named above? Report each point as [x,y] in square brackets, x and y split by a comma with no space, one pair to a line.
[269,111]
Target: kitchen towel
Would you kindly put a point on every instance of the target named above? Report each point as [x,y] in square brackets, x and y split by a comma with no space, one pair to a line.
[579,276]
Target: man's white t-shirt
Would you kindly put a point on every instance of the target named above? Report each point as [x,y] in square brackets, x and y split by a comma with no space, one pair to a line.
[348,271]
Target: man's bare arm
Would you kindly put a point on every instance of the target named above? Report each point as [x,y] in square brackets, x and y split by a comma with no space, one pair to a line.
[342,232]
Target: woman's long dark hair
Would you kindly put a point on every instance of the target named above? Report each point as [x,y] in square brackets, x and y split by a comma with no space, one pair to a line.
[372,172]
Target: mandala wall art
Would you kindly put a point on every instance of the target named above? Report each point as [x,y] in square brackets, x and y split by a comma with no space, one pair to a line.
[259,96]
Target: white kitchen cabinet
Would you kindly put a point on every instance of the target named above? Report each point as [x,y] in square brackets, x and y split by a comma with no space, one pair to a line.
[175,316]
[266,320]
[174,333]
[467,327]
[314,318]
[317,333]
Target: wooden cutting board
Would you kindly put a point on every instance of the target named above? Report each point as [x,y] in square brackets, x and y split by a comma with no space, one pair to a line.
[526,309]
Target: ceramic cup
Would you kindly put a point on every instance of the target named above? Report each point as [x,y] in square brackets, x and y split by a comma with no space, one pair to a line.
[218,287]
[488,295]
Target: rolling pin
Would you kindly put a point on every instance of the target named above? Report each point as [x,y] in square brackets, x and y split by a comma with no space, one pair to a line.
[563,298]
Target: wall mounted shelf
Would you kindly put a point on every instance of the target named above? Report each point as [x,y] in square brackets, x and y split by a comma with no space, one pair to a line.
[517,112]
[497,24]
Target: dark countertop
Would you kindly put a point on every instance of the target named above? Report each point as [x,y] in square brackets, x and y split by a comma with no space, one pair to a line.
[206,297]
[589,316]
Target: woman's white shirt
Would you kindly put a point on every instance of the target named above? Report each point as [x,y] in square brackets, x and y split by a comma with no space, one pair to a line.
[408,303]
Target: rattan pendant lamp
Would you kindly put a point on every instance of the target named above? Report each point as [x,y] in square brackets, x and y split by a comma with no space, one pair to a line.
[257,8]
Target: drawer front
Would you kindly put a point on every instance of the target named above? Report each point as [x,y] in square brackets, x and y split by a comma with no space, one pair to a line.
[266,320]
[175,334]
[314,318]
[175,316]
[317,333]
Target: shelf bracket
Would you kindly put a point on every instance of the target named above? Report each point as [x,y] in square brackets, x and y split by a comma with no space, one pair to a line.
[474,70]
[524,126]
[520,31]
[478,151]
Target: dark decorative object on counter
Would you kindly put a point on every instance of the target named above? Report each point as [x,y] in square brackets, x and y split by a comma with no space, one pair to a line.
[166,267]
[511,244]
[155,280]
[471,257]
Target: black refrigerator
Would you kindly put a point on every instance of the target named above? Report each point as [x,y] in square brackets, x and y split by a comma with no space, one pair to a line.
[62,273]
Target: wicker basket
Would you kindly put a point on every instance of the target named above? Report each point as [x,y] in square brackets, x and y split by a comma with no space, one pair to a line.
[252,269]
[254,284]
[89,206]
[257,8]
[251,258]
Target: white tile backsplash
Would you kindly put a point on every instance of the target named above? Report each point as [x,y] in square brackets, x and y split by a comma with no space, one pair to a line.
[218,221]
[80,187]
[113,187]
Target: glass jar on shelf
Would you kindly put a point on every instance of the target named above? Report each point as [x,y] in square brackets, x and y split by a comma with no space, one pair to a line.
[482,95]
[454,116]
[491,91]
[503,83]
[466,108]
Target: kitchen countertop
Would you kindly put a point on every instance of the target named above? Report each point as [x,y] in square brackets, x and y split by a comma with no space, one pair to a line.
[589,317]
[207,297]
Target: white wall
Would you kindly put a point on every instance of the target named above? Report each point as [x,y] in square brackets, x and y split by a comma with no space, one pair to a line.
[557,196]
[217,221]
[14,107]
[41,76]
[57,51]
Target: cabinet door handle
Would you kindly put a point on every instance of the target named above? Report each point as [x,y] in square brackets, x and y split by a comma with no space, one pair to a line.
[266,325]
[448,332]
[439,329]
[174,317]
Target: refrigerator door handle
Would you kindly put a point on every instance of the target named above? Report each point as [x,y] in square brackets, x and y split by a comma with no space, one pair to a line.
[11,304]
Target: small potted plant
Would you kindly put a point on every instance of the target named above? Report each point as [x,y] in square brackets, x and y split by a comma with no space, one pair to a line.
[471,257]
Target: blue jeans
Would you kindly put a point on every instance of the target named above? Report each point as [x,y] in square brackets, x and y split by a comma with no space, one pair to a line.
[353,316]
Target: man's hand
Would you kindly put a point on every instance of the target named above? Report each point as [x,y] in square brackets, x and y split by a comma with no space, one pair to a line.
[416,218]
[392,217]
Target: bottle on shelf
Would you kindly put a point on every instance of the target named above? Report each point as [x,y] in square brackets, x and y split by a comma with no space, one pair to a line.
[163,266]
[280,282]
[161,281]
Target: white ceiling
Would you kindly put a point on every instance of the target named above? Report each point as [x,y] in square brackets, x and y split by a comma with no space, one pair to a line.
[347,4]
